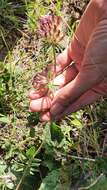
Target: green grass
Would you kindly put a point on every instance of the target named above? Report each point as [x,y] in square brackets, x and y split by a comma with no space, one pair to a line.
[33,155]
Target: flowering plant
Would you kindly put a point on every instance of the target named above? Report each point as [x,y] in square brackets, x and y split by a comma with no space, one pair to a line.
[50,28]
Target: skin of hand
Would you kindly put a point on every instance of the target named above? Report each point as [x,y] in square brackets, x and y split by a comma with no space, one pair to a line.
[86,81]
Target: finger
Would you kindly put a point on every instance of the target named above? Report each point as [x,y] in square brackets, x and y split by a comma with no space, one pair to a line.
[68,75]
[86,99]
[45,116]
[40,105]
[93,71]
[37,94]
[74,89]
[62,79]
[40,79]
[62,61]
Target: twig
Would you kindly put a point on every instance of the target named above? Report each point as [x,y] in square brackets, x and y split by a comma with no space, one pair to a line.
[92,184]
[5,177]
[82,178]
[81,158]
[23,33]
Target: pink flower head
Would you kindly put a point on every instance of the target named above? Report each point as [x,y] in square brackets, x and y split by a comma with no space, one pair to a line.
[50,28]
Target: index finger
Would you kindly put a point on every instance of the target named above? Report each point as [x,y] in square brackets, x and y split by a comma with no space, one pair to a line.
[62,61]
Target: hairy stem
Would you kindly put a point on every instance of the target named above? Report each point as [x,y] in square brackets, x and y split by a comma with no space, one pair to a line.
[54,57]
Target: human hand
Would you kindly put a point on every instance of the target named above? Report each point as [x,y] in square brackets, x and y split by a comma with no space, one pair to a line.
[64,101]
[41,98]
[76,89]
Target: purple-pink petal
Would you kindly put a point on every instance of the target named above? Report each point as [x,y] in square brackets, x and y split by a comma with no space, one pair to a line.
[41,33]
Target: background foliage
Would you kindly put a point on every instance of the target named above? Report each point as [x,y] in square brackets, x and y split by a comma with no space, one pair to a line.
[70,155]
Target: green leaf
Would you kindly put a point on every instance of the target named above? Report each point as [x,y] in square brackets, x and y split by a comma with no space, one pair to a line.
[2,167]
[31,152]
[4,119]
[50,182]
[9,184]
[32,132]
[77,122]
[56,133]
[47,135]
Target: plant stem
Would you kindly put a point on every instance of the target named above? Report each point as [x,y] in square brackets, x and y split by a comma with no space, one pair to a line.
[94,182]
[81,158]
[26,169]
[54,57]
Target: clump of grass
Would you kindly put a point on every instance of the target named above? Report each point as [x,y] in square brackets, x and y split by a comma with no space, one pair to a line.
[12,16]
